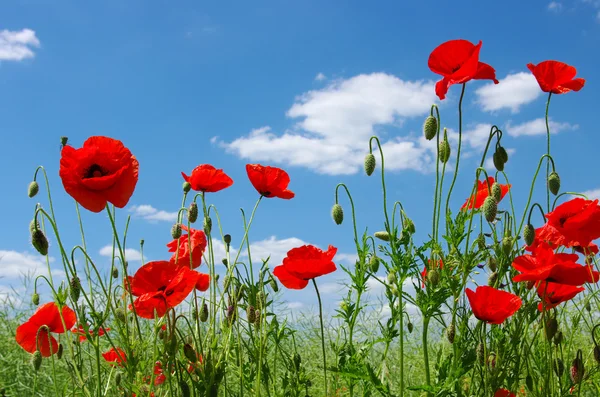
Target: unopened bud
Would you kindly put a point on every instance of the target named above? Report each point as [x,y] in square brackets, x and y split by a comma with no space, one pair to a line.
[498,163]
[492,279]
[231,314]
[559,367]
[118,378]
[551,328]
[186,187]
[224,261]
[391,277]
[120,314]
[190,353]
[273,284]
[184,388]
[444,149]
[597,353]
[115,272]
[490,209]
[204,313]
[33,189]
[480,352]
[503,154]
[497,192]
[369,164]
[36,360]
[207,225]
[507,243]
[39,241]
[491,361]
[529,234]
[227,239]
[75,288]
[192,212]
[382,235]
[433,276]
[35,298]
[577,368]
[297,361]
[251,314]
[64,140]
[558,338]
[554,183]
[374,264]
[451,333]
[481,242]
[492,264]
[409,225]
[59,352]
[430,127]
[337,213]
[410,327]
[176,231]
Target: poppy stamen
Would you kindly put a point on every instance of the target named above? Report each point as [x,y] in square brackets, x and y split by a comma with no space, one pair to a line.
[95,171]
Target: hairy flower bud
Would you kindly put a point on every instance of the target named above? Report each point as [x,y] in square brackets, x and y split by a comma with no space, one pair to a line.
[251,314]
[492,279]
[391,277]
[118,378]
[75,288]
[33,189]
[558,338]
[190,353]
[480,352]
[374,264]
[529,234]
[382,235]
[554,183]
[176,231]
[227,239]
[492,264]
[551,328]
[39,241]
[410,326]
[507,243]
[497,192]
[430,127]
[451,332]
[207,225]
[481,242]
[559,367]
[577,368]
[597,353]
[120,314]
[337,213]
[193,212]
[444,149]
[59,352]
[503,154]
[370,164]
[186,187]
[204,313]
[297,361]
[490,209]
[433,276]
[115,272]
[35,298]
[36,360]
[409,225]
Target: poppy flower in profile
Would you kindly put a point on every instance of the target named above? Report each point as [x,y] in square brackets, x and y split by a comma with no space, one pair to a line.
[206,178]
[545,265]
[491,305]
[457,61]
[116,356]
[102,171]
[504,393]
[556,77]
[194,241]
[159,286]
[269,181]
[31,338]
[573,223]
[553,294]
[305,263]
[203,282]
[82,335]
[476,201]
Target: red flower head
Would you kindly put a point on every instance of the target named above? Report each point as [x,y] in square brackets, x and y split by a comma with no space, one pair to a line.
[208,179]
[556,77]
[504,393]
[117,356]
[203,282]
[573,223]
[483,192]
[492,305]
[458,62]
[160,286]
[102,171]
[269,181]
[197,246]
[304,263]
[82,335]
[545,265]
[47,316]
[554,294]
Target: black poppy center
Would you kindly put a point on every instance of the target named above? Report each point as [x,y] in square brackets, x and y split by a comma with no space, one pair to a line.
[95,171]
[161,289]
[562,221]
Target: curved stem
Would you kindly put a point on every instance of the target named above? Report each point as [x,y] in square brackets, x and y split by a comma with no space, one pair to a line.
[548,152]
[352,207]
[322,336]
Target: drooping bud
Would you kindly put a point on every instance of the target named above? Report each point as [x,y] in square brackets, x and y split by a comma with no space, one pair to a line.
[558,338]
[190,353]
[35,298]
[503,154]
[430,127]
[75,288]
[224,261]
[207,225]
[507,243]
[374,264]
[529,234]
[382,235]
[391,277]
[559,367]
[497,159]
[39,241]
[115,272]
[186,187]
[410,326]
[36,360]
[204,313]
[490,209]
[551,328]
[433,276]
[577,368]
[451,332]
[337,213]
[553,183]
[444,149]
[297,361]
[59,352]
[176,231]
[251,314]
[529,285]
[193,212]
[492,264]
[497,192]
[273,284]
[370,164]
[118,378]
[492,279]
[227,239]
[64,140]
[33,189]
[409,225]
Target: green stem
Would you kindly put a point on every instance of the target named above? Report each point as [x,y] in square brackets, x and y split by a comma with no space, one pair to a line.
[426,353]
[322,336]
[462,94]
[548,152]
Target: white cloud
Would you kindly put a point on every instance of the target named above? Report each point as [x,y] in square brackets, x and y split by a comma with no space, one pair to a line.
[16,45]
[554,6]
[538,127]
[320,77]
[152,214]
[513,91]
[333,125]
[295,305]
[331,288]
[346,259]
[592,194]
[130,253]
[277,249]
[15,264]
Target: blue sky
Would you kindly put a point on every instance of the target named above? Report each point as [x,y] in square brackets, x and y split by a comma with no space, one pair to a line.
[299,85]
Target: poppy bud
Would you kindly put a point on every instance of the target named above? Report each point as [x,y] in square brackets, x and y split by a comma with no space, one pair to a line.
[35,298]
[297,361]
[529,382]
[391,277]
[410,327]
[491,361]
[193,212]
[344,306]
[261,299]
[231,314]
[451,333]
[59,352]
[383,235]
[251,314]
[337,213]
[115,272]
[207,225]
[492,264]
[490,209]
[273,284]
[374,264]
[227,239]
[118,378]
[558,338]
[498,163]
[257,317]
[597,353]
[530,285]
[409,225]
[529,234]
[480,352]
[577,368]
[33,189]
[430,128]
[226,283]
[176,231]
[554,183]
[503,154]
[186,187]
[75,289]
[224,261]
[588,307]
[492,279]
[481,242]
[551,328]
[36,360]
[559,367]
[190,353]
[497,192]
[64,140]
[507,243]
[39,242]
[120,314]
[204,313]
[433,276]
[444,149]
[369,164]
[185,389]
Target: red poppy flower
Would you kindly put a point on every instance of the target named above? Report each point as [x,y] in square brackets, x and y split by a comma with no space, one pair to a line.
[591,249]
[304,263]
[82,335]
[458,62]
[102,171]
[160,377]
[504,393]
[197,366]
[492,305]
[424,272]
[203,282]
[269,181]
[197,246]
[208,179]
[556,77]
[545,265]
[483,192]
[573,223]
[49,316]
[554,294]
[159,286]
[116,356]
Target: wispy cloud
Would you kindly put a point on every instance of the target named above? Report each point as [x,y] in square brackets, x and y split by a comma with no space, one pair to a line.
[555,6]
[320,77]
[514,91]
[149,213]
[15,264]
[538,127]
[17,45]
[592,194]
[130,253]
